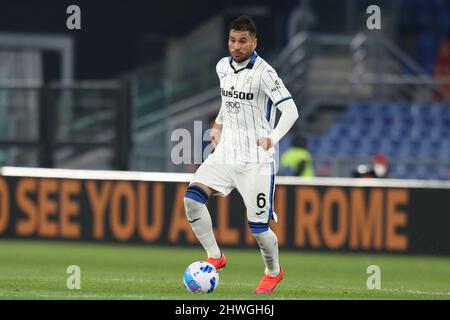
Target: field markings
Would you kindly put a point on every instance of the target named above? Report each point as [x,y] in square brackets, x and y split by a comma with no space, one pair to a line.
[417,292]
[390,290]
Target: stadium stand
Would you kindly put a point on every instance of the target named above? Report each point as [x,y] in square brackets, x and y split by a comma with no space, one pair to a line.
[411,134]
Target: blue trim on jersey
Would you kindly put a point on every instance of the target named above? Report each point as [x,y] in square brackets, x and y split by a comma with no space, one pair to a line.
[272,184]
[284,99]
[268,109]
[196,193]
[258,227]
[253,58]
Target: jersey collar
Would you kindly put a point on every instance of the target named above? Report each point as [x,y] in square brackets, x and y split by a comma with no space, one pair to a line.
[249,65]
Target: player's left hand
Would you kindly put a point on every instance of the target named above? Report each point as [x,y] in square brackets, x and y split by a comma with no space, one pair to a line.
[265,142]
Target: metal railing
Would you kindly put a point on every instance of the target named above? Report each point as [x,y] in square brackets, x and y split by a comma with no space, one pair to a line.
[365,66]
[80,124]
[390,74]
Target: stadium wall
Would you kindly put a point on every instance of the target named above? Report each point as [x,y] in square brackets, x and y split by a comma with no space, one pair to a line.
[323,214]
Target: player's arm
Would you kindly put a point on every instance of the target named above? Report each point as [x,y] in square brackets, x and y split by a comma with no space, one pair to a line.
[218,123]
[274,88]
[217,129]
[289,114]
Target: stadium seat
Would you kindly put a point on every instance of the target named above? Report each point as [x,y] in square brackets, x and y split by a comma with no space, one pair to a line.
[313,143]
[404,171]
[404,132]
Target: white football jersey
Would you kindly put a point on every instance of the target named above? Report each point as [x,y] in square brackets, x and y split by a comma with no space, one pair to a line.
[249,99]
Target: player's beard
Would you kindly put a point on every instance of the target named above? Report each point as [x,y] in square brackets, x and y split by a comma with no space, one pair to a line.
[242,58]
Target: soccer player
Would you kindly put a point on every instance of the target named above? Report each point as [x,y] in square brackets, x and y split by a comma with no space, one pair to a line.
[244,138]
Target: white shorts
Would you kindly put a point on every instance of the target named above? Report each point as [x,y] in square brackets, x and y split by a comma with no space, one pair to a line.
[254,181]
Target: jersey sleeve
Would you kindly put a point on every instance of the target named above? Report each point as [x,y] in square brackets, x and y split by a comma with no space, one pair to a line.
[219,67]
[274,87]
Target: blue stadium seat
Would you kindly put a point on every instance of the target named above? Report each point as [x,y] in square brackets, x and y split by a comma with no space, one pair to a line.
[313,143]
[421,172]
[406,150]
[389,146]
[403,132]
[443,172]
[338,131]
[445,122]
[438,133]
[404,171]
[356,108]
[358,131]
[328,147]
[443,153]
[350,147]
[399,132]
[418,132]
[428,150]
[365,149]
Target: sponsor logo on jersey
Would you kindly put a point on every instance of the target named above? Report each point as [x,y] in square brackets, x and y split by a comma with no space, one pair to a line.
[277,87]
[236,94]
[233,106]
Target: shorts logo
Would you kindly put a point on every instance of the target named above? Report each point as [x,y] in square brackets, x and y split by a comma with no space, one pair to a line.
[233,107]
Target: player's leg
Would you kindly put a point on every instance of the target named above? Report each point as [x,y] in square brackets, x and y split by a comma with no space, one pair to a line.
[208,180]
[257,187]
[199,218]
[273,273]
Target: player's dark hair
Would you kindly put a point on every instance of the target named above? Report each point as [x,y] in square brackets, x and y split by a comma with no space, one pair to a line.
[244,23]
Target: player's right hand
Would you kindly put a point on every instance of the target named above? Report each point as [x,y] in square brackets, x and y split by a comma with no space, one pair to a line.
[215,137]
[215,134]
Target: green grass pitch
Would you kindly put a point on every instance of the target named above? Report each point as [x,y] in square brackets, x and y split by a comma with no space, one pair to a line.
[37,270]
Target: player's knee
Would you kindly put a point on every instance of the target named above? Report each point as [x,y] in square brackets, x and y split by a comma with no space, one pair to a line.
[194,201]
[194,196]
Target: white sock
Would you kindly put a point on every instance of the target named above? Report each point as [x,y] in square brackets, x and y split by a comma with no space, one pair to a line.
[268,243]
[200,221]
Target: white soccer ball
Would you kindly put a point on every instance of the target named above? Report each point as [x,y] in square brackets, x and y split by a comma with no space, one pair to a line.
[201,277]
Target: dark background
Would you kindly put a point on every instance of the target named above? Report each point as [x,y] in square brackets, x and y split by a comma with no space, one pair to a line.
[117,36]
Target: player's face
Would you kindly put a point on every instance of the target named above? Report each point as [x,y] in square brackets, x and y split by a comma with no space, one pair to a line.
[241,45]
